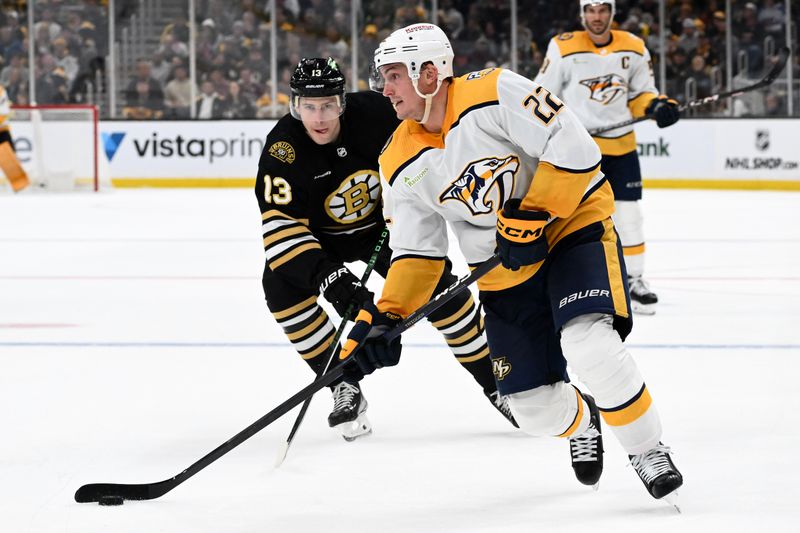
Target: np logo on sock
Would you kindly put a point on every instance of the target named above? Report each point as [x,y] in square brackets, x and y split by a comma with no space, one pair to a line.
[500,368]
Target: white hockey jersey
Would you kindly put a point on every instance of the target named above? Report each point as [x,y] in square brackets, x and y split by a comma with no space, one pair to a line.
[603,85]
[502,137]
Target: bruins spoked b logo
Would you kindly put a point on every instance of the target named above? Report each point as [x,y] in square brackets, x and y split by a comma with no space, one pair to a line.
[355,198]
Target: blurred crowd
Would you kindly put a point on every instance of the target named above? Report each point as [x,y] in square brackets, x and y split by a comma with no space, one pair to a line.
[234,47]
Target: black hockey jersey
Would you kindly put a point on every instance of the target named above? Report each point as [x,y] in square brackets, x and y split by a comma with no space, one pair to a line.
[321,204]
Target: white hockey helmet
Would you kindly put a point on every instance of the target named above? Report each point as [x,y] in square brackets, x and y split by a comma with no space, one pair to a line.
[610,3]
[414,46]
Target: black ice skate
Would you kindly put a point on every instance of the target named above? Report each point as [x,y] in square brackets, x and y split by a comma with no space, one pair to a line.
[501,404]
[643,300]
[349,412]
[587,448]
[658,473]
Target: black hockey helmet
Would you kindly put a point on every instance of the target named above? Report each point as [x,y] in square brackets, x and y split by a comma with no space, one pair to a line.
[316,77]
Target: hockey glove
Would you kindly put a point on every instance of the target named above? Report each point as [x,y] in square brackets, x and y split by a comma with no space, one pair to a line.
[520,235]
[366,347]
[341,288]
[664,110]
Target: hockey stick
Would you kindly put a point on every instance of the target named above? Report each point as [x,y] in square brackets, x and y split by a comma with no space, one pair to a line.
[284,449]
[783,56]
[116,492]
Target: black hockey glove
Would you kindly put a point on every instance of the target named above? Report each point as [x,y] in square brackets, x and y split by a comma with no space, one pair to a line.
[366,347]
[664,110]
[520,235]
[341,288]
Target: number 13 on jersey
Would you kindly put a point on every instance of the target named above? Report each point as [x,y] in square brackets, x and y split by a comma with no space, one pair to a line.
[277,190]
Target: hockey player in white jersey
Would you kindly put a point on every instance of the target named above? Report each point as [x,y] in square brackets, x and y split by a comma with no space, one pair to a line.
[606,76]
[510,168]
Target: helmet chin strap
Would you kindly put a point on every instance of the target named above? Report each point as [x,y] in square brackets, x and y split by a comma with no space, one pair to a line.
[427,97]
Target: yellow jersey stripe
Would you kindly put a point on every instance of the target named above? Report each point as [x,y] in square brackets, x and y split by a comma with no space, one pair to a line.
[630,411]
[578,417]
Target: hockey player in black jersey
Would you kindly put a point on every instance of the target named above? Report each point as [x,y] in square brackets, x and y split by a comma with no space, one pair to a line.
[319,192]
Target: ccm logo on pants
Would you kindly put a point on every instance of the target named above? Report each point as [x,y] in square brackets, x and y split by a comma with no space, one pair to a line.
[583,294]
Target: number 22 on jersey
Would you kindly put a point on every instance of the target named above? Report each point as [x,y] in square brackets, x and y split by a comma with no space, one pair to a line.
[545,105]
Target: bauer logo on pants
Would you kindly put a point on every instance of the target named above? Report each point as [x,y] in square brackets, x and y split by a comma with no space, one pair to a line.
[500,368]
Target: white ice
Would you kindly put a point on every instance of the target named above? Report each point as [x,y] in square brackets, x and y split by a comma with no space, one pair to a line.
[134,339]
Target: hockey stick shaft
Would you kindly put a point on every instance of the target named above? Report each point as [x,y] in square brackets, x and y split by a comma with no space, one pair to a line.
[284,449]
[783,56]
[93,492]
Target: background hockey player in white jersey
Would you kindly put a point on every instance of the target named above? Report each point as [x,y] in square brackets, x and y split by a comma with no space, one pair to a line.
[605,76]
[493,139]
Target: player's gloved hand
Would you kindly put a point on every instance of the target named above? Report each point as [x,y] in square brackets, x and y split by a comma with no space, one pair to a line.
[520,235]
[366,347]
[341,288]
[664,110]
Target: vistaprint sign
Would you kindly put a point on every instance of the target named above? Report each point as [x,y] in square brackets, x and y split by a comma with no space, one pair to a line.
[183,150]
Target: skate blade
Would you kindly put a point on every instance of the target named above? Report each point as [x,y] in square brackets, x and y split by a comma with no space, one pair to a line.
[672,499]
[596,486]
[642,309]
[360,427]
[284,449]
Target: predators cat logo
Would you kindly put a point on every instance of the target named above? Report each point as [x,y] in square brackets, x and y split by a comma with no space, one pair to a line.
[473,185]
[606,89]
[500,368]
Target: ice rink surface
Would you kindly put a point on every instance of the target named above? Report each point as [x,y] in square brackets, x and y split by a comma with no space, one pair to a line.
[134,339]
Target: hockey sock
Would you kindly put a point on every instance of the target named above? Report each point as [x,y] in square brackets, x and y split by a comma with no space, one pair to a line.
[460,322]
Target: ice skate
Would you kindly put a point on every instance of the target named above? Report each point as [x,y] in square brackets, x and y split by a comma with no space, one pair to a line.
[501,404]
[586,449]
[643,300]
[349,412]
[658,473]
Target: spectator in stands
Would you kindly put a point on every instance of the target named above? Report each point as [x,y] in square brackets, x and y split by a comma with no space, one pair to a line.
[411,12]
[14,70]
[160,69]
[9,43]
[209,104]
[51,83]
[700,76]
[677,73]
[220,12]
[46,22]
[178,28]
[141,105]
[688,39]
[771,18]
[178,93]
[238,104]
[151,98]
[64,60]
[220,84]
[773,105]
[171,47]
[249,85]
[450,19]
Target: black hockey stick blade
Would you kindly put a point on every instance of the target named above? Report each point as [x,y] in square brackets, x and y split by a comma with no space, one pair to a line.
[93,492]
[772,75]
